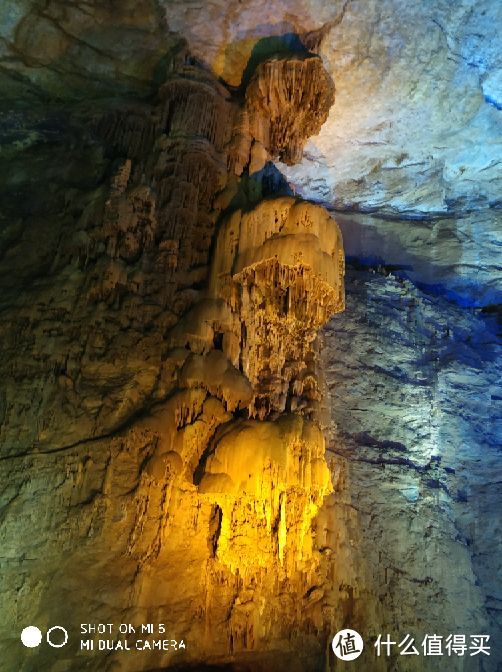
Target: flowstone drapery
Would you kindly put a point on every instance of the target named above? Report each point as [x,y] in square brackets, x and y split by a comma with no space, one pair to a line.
[181,425]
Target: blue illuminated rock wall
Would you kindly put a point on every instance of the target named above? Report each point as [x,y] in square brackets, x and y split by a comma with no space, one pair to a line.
[415,394]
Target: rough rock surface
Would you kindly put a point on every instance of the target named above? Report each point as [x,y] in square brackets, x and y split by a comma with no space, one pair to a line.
[415,396]
[162,425]
[415,127]
[82,49]
[458,257]
[287,101]
[279,269]
[120,368]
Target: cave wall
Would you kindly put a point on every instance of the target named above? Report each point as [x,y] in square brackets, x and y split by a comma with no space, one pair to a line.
[163,429]
[414,128]
[159,317]
[414,382]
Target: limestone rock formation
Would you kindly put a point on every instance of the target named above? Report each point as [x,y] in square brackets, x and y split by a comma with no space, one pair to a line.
[162,383]
[174,404]
[287,101]
[280,269]
[415,126]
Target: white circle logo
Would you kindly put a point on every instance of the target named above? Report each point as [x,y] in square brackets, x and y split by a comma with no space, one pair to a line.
[31,636]
[347,644]
[49,640]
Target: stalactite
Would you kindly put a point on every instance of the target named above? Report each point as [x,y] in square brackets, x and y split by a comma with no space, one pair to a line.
[287,101]
[197,362]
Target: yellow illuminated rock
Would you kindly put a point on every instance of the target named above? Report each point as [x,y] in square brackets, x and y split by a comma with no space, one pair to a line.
[175,367]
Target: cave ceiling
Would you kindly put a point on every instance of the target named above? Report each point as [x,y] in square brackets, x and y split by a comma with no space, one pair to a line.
[415,127]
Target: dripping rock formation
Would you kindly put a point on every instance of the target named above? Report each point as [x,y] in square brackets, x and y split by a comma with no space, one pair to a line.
[163,413]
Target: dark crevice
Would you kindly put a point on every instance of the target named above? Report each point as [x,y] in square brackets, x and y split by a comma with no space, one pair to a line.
[214,529]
